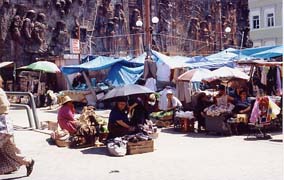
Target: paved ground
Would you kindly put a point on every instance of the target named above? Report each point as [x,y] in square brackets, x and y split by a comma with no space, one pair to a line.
[177,156]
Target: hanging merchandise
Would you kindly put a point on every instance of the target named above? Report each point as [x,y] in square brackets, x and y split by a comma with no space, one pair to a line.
[264,110]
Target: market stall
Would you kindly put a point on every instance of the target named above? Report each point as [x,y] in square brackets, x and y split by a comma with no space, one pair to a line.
[115,71]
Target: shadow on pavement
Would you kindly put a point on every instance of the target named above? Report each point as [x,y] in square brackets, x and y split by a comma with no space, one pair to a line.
[205,135]
[20,128]
[172,130]
[19,177]
[50,141]
[51,111]
[96,150]
[275,136]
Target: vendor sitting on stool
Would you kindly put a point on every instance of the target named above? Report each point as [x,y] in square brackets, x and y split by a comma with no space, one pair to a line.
[242,104]
[170,103]
[118,124]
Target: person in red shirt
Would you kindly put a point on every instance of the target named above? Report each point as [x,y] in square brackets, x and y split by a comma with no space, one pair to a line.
[65,116]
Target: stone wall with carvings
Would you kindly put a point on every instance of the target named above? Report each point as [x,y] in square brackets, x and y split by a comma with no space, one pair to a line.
[41,29]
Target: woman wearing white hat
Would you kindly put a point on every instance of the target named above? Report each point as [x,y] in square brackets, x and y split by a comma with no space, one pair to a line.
[65,116]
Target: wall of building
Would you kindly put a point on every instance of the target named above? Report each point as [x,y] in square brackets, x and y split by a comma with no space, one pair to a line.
[266,35]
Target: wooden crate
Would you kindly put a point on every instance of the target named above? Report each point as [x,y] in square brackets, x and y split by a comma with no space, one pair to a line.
[140,147]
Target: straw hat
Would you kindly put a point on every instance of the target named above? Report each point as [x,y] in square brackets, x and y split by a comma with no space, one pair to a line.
[66,99]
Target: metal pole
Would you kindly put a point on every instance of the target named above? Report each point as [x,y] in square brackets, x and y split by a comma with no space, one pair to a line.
[221,29]
[241,47]
[79,55]
[147,26]
[28,109]
[90,85]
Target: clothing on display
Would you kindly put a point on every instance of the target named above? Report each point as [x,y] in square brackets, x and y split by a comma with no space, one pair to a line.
[163,72]
[267,79]
[151,84]
[150,69]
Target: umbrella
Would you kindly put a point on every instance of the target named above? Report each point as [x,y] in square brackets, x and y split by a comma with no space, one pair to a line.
[227,73]
[44,66]
[195,75]
[127,90]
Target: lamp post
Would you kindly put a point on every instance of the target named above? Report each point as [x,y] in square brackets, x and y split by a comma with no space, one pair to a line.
[228,30]
[139,23]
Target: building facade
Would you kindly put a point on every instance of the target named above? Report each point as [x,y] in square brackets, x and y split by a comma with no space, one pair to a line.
[266,28]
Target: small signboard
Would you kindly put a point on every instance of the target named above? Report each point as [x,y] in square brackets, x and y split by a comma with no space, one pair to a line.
[74,46]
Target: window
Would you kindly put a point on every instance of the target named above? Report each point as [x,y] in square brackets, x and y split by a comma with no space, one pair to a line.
[255,21]
[269,16]
[270,20]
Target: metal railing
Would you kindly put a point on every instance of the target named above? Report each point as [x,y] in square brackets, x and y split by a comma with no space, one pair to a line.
[32,106]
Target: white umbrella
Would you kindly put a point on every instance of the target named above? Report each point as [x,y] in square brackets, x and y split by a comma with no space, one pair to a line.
[195,75]
[227,73]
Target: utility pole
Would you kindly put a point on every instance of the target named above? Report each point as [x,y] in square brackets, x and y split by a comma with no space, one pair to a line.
[221,29]
[147,27]
[79,55]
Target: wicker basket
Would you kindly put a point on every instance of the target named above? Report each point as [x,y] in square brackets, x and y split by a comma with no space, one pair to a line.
[163,123]
[62,143]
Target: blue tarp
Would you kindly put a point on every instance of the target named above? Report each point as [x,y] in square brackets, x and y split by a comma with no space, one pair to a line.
[217,60]
[270,53]
[121,71]
[120,75]
[226,57]
[98,63]
[251,51]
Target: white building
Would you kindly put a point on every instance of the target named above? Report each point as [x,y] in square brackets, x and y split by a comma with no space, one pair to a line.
[266,28]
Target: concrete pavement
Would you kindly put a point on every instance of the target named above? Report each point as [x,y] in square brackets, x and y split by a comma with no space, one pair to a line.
[177,156]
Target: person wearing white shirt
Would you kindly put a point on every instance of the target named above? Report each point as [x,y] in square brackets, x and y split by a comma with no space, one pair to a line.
[170,103]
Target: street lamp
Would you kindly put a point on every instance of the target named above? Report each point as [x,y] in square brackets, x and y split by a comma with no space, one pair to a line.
[155,20]
[228,30]
[139,23]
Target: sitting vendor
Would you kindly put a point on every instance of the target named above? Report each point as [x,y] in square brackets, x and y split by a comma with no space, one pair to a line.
[242,104]
[78,81]
[202,102]
[222,98]
[170,103]
[118,124]
[65,116]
